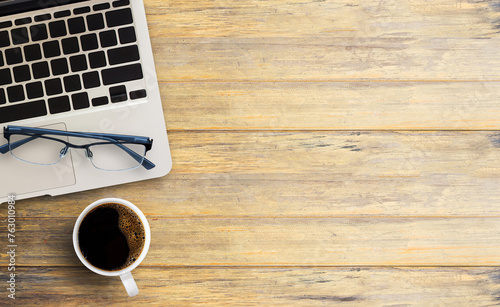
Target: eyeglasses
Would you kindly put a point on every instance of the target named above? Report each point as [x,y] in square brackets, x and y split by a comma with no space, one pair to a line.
[109,152]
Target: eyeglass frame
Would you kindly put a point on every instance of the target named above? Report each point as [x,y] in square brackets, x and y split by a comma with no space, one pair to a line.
[115,139]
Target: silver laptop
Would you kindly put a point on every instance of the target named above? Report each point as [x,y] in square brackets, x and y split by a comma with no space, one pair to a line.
[84,67]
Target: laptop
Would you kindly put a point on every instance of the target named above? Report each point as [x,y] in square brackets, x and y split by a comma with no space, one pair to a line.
[77,65]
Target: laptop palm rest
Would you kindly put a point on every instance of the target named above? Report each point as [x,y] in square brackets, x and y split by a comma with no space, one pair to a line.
[24,177]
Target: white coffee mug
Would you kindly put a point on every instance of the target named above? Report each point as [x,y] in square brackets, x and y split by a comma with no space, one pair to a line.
[125,274]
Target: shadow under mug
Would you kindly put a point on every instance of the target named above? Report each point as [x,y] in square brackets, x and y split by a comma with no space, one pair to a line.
[125,273]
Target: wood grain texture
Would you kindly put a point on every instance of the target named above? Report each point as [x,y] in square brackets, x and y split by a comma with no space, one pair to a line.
[271,286]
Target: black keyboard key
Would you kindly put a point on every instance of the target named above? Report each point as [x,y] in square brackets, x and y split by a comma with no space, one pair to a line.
[4,39]
[22,73]
[123,55]
[57,29]
[23,21]
[127,35]
[70,45]
[89,42]
[97,59]
[53,87]
[19,36]
[13,56]
[137,94]
[108,38]
[121,3]
[51,49]
[72,83]
[80,101]
[59,104]
[118,93]
[95,22]
[23,111]
[62,14]
[81,10]
[5,76]
[59,67]
[76,25]
[1,59]
[119,17]
[100,101]
[5,24]
[40,70]
[32,52]
[121,74]
[91,79]
[78,63]
[38,32]
[100,7]
[15,93]
[34,90]
[43,17]
[3,99]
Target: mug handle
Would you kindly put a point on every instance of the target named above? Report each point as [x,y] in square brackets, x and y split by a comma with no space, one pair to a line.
[129,283]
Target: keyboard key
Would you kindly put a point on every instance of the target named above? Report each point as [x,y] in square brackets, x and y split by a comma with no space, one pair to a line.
[51,49]
[15,93]
[72,83]
[38,32]
[23,21]
[97,59]
[53,86]
[121,3]
[59,67]
[1,59]
[3,99]
[22,73]
[95,22]
[81,10]
[61,14]
[121,74]
[119,17]
[13,56]
[91,79]
[137,94]
[108,38]
[40,70]
[78,63]
[23,111]
[57,29]
[118,93]
[127,35]
[100,101]
[4,39]
[123,55]
[32,52]
[70,45]
[80,101]
[5,24]
[5,77]
[89,42]
[34,90]
[19,36]
[100,7]
[76,25]
[59,104]
[43,17]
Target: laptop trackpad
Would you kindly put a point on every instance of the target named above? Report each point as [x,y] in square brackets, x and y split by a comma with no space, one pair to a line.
[21,177]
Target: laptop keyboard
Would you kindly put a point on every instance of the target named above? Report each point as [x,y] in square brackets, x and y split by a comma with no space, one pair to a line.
[68,61]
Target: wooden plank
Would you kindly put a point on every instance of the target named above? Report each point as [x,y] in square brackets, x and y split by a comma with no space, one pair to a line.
[322,174]
[342,18]
[253,286]
[284,242]
[332,105]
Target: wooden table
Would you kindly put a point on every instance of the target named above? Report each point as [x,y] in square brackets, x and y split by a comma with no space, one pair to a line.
[325,153]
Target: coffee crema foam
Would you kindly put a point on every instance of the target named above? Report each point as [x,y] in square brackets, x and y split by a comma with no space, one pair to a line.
[130,225]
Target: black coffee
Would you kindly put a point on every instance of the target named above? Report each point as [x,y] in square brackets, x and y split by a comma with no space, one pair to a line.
[111,237]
